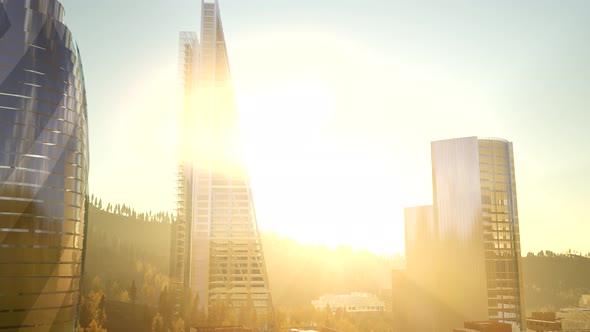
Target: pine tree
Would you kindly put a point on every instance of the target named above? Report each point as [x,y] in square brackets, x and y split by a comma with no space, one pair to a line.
[158,323]
[133,292]
[101,315]
[164,306]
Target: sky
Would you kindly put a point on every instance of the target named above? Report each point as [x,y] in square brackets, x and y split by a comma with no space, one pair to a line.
[339,101]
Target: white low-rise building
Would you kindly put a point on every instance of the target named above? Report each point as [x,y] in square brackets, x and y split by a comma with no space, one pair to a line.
[353,302]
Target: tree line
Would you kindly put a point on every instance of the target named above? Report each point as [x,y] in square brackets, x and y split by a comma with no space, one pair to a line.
[127,211]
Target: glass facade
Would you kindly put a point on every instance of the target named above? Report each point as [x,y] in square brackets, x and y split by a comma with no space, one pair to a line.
[43,168]
[460,264]
[501,232]
[226,257]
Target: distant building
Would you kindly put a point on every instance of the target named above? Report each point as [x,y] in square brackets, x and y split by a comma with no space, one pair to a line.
[353,302]
[484,326]
[544,322]
[221,329]
[420,237]
[310,329]
[574,319]
[418,306]
[584,301]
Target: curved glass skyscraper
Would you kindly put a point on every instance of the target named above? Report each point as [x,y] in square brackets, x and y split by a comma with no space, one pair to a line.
[43,168]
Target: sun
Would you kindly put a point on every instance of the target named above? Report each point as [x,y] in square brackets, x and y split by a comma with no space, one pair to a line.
[293,112]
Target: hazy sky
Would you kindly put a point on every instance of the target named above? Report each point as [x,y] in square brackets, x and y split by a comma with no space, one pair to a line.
[339,102]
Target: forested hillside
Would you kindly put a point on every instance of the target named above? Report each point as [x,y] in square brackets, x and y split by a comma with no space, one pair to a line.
[122,249]
[125,247]
[126,274]
[554,281]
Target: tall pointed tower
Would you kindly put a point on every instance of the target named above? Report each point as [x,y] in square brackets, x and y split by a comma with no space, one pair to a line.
[226,259]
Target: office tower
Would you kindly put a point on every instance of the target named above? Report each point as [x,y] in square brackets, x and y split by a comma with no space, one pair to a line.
[478,237]
[226,258]
[43,168]
[420,235]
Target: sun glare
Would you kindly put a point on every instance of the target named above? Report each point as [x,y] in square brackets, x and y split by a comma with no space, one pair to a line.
[141,130]
[291,112]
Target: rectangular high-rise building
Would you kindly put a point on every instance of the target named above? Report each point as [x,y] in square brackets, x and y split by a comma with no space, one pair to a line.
[421,295]
[478,239]
[217,250]
[420,235]
[458,214]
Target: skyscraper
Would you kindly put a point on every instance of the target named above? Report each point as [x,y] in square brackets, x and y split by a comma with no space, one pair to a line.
[420,235]
[225,254]
[458,214]
[181,233]
[421,304]
[43,168]
[478,238]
